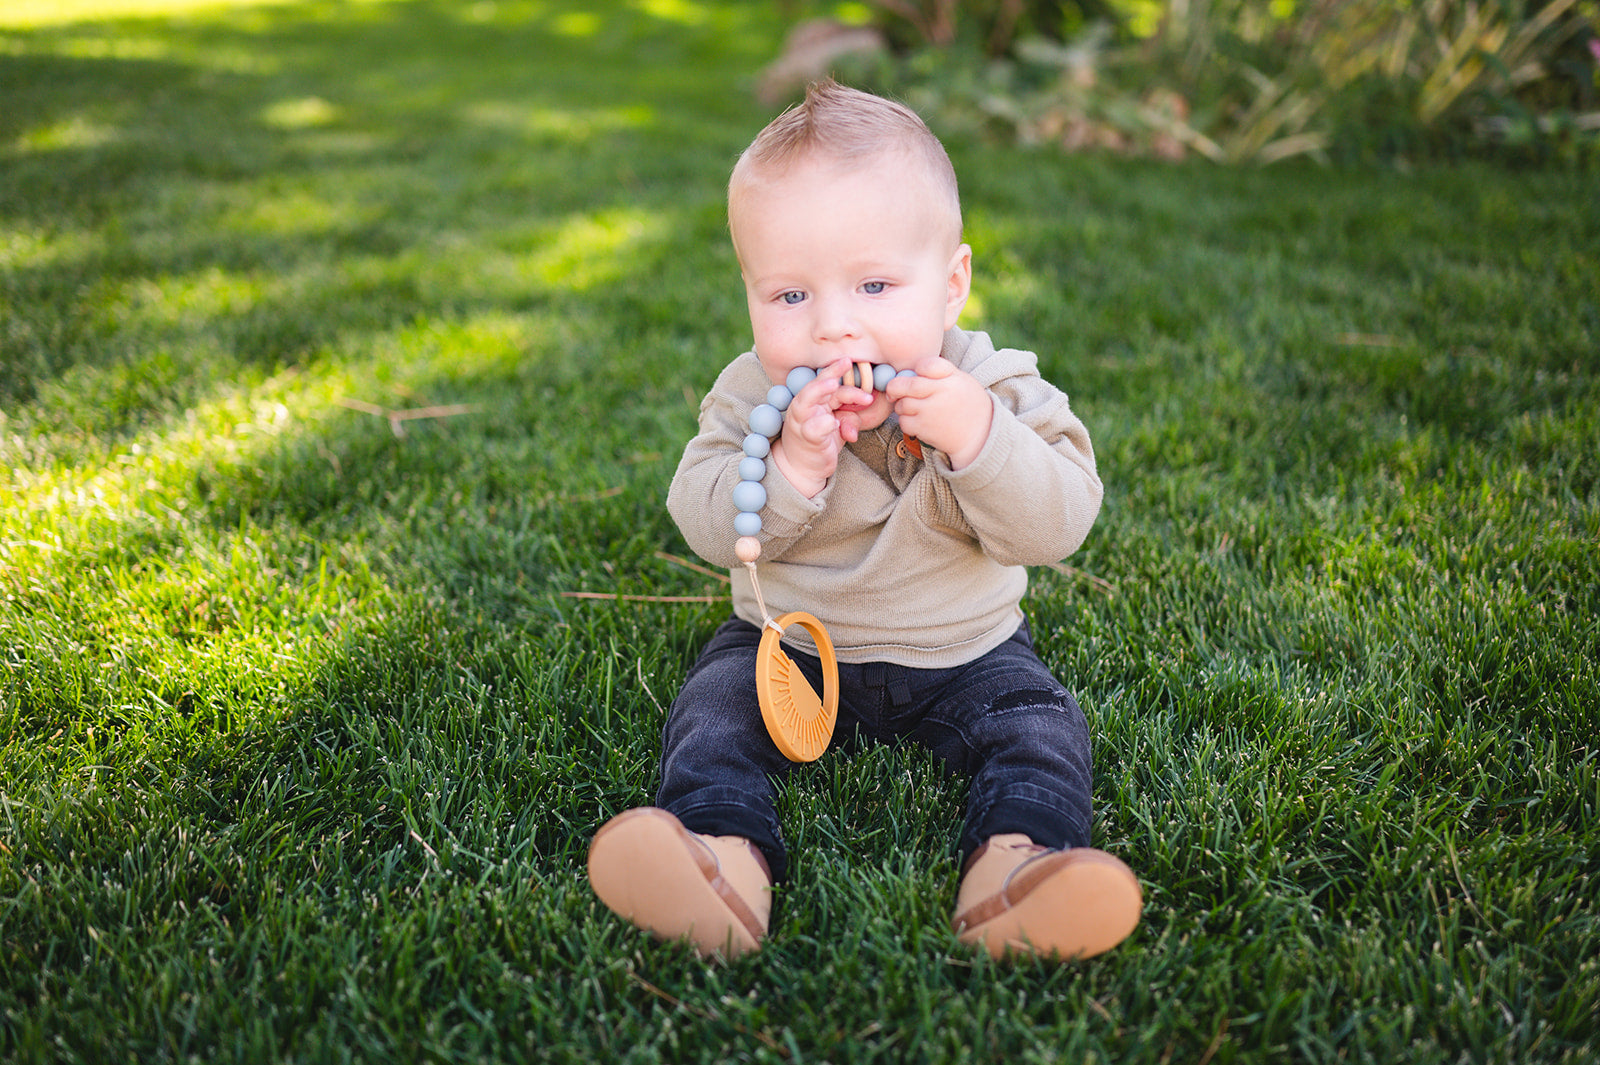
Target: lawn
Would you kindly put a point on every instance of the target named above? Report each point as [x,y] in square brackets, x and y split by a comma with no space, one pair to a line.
[342,344]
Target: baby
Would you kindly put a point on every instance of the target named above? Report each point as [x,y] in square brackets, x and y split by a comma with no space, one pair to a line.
[903,517]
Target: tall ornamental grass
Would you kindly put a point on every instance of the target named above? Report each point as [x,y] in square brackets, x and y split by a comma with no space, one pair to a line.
[1253,81]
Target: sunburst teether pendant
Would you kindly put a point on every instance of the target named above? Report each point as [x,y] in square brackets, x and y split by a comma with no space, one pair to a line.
[799,720]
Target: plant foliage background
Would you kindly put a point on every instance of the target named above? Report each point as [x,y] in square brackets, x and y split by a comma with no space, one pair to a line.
[1250,80]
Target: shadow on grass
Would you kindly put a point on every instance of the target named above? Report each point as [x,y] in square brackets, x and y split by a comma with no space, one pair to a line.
[402,203]
[275,185]
[281,207]
[394,203]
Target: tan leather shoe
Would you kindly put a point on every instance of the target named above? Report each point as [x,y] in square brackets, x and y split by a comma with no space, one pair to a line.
[1020,897]
[714,891]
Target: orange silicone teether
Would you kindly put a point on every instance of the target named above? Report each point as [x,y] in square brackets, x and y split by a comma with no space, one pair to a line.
[800,721]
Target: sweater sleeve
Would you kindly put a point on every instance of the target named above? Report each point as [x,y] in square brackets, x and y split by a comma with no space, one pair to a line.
[700,498]
[1032,494]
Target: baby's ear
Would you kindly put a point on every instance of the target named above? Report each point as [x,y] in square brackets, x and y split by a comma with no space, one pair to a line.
[960,284]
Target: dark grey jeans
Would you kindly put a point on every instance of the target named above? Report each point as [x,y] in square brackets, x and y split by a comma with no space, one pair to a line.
[1001,720]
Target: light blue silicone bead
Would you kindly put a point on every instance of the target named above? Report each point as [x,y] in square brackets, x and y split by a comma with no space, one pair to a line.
[746,523]
[906,373]
[882,374]
[766,420]
[749,496]
[757,446]
[799,377]
[752,468]
[780,396]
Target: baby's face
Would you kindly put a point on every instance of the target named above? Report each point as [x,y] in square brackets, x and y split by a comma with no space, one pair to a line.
[858,263]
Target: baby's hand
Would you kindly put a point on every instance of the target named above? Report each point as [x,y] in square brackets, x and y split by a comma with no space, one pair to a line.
[945,407]
[807,451]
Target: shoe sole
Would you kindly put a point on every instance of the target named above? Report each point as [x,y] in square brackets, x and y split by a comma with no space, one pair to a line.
[1067,904]
[650,870]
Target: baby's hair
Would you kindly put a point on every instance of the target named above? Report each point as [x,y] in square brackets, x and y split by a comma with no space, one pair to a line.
[851,127]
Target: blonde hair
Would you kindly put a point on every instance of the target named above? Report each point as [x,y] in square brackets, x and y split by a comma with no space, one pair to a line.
[850,127]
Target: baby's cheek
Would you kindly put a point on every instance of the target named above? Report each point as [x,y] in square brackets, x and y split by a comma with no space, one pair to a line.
[776,370]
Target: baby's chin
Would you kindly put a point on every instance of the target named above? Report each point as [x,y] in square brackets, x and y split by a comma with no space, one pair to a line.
[865,419]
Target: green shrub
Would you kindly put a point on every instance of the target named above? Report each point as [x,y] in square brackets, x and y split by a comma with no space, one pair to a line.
[1258,81]
[997,24]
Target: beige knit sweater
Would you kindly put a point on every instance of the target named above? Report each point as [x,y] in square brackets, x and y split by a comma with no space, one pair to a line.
[902,560]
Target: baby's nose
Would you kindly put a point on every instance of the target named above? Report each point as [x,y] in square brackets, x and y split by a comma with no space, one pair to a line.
[834,322]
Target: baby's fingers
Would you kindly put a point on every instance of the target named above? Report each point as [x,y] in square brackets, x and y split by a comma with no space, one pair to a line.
[818,426]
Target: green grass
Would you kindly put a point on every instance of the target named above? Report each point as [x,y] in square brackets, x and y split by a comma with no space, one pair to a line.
[301,746]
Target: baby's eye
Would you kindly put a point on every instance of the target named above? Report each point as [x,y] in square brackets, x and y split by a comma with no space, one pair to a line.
[792,297]
[874,288]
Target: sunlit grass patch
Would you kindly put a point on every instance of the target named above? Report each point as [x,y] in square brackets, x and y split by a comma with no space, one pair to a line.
[594,249]
[560,125]
[32,13]
[77,132]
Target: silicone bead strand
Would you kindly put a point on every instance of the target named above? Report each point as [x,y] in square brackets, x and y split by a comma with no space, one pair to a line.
[766,421]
